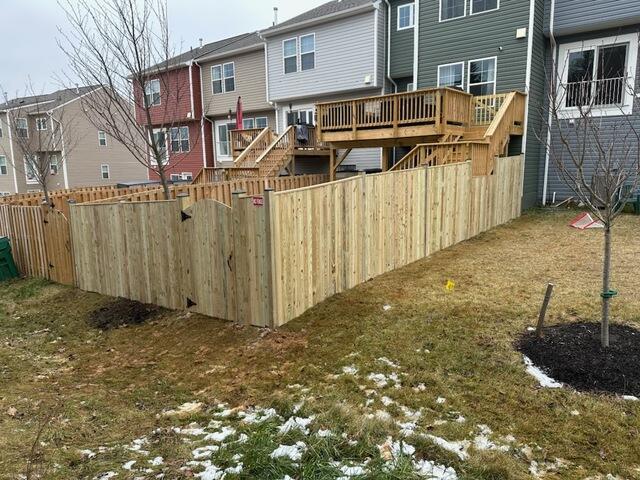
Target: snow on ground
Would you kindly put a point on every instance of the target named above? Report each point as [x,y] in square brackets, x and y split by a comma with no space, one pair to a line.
[292,452]
[545,380]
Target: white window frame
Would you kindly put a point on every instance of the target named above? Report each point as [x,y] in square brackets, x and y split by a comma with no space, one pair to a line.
[166,146]
[495,73]
[266,122]
[102,136]
[253,123]
[452,18]
[102,172]
[40,125]
[306,53]
[218,142]
[223,78]
[1,133]
[450,65]
[564,49]
[284,58]
[26,128]
[51,165]
[151,83]
[186,176]
[175,177]
[3,164]
[33,181]
[180,139]
[412,6]
[471,12]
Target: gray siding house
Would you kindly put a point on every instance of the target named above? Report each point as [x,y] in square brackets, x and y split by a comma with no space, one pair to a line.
[333,52]
[588,35]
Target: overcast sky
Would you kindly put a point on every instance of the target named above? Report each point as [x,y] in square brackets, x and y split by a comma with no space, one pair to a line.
[29,32]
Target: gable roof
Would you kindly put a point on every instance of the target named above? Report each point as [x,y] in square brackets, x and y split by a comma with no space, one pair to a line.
[324,12]
[47,101]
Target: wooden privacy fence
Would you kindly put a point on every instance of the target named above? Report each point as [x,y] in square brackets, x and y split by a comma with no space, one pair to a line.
[40,241]
[266,259]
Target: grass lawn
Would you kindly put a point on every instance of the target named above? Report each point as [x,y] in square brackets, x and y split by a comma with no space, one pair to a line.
[355,388]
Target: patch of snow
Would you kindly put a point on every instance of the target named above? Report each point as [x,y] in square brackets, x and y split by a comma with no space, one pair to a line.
[388,362]
[386,308]
[482,442]
[421,387]
[137,444]
[386,401]
[531,329]
[185,410]
[204,452]
[407,429]
[235,470]
[292,452]
[296,423]
[411,414]
[575,413]
[380,415]
[221,435]
[324,433]
[193,430]
[354,471]
[156,462]
[459,448]
[543,379]
[379,379]
[87,454]
[441,400]
[349,370]
[460,419]
[390,449]
[630,398]
[259,415]
[433,471]
[105,476]
[129,465]
[211,473]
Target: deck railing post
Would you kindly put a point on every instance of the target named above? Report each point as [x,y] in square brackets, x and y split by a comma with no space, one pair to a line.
[440,112]
[353,117]
[396,114]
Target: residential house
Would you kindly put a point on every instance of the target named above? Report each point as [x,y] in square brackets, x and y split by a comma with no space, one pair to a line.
[234,68]
[333,52]
[81,155]
[595,48]
[175,98]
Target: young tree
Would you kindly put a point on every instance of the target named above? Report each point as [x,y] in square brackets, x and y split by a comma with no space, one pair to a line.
[124,46]
[597,157]
[42,137]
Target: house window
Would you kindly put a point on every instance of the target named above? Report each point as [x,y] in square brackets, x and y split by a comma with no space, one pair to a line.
[262,122]
[451,75]
[0,130]
[152,93]
[53,164]
[290,50]
[30,169]
[482,76]
[223,142]
[160,140]
[597,76]
[405,16]
[187,176]
[180,139]
[248,123]
[104,172]
[175,177]
[3,165]
[301,116]
[102,139]
[223,78]
[479,6]
[308,52]
[22,128]
[450,9]
[41,123]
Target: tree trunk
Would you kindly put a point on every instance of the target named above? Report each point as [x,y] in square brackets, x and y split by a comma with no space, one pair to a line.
[606,298]
[163,180]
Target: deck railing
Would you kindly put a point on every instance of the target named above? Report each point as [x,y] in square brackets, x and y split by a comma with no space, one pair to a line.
[277,155]
[444,153]
[256,148]
[486,107]
[241,139]
[313,143]
[422,107]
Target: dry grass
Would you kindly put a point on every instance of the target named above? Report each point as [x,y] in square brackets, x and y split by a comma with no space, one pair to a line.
[107,388]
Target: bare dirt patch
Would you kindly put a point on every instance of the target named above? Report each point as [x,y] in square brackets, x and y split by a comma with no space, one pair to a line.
[122,312]
[571,354]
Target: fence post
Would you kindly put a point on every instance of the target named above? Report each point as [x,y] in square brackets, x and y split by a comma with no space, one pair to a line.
[237,237]
[270,276]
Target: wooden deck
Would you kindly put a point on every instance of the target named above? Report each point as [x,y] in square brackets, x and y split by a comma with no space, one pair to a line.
[394,120]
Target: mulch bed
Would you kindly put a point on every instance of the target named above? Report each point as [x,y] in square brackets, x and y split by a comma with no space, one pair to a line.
[571,354]
[122,312]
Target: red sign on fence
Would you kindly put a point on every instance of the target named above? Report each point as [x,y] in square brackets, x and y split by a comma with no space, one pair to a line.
[258,201]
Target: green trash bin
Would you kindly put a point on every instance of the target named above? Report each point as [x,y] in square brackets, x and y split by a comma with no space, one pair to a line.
[8,267]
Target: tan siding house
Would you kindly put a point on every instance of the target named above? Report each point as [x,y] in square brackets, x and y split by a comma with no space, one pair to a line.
[85,156]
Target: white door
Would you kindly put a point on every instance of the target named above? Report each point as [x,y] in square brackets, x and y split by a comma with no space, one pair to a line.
[223,140]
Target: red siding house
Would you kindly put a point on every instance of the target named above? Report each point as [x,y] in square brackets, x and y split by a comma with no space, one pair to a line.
[176,113]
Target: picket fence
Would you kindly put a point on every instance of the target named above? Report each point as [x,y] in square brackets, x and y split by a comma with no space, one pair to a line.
[265,259]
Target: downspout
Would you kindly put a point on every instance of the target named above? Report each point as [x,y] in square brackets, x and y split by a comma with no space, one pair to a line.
[266,83]
[64,155]
[416,42]
[550,117]
[13,160]
[395,85]
[202,116]
[376,21]
[527,81]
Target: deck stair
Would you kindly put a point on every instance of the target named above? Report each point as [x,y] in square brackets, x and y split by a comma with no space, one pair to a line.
[494,119]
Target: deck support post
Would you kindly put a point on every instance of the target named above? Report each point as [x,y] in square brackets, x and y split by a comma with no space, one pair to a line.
[386,157]
[332,164]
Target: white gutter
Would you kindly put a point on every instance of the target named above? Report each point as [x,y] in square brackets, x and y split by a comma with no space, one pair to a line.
[527,81]
[229,53]
[416,43]
[193,114]
[13,160]
[376,14]
[395,85]
[554,59]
